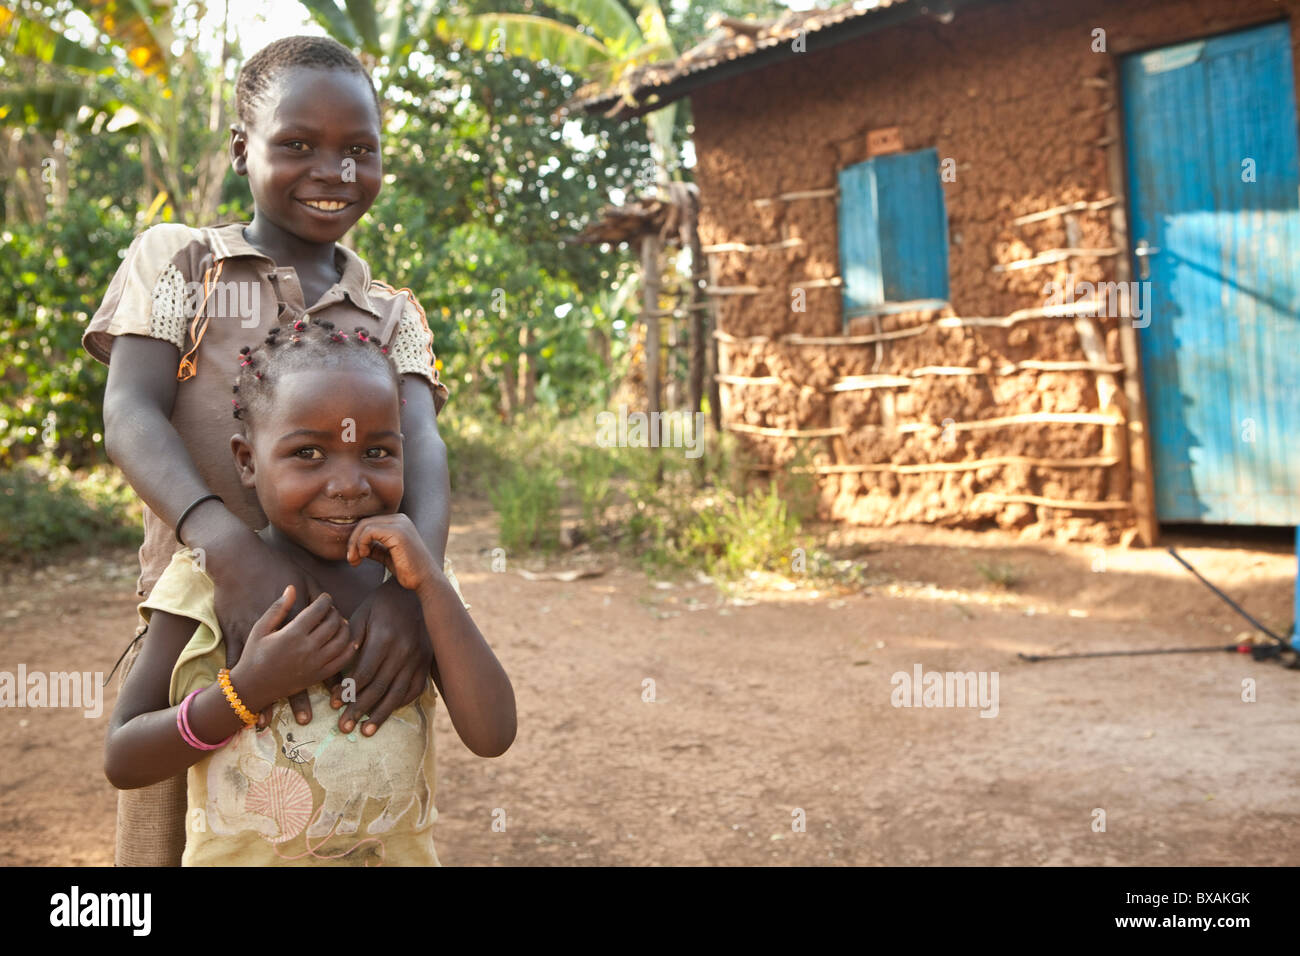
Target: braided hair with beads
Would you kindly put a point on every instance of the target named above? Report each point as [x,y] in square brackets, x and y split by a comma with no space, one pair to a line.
[302,345]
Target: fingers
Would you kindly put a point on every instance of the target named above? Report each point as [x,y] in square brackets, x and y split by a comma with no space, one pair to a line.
[301,705]
[339,651]
[368,534]
[274,615]
[312,617]
[369,695]
[396,697]
[326,629]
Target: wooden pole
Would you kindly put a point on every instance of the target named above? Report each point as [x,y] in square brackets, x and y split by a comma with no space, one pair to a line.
[697,320]
[651,281]
[649,315]
[1141,469]
[715,368]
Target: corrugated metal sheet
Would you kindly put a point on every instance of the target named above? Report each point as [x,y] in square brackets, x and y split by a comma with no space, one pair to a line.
[1215,174]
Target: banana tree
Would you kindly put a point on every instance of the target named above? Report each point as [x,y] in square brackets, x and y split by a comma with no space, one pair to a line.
[608,45]
[55,81]
[383,32]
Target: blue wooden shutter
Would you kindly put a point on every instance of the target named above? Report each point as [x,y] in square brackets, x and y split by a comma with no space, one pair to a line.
[893,231]
[862,285]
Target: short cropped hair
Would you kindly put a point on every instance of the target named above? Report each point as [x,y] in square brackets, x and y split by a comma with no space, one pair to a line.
[322,53]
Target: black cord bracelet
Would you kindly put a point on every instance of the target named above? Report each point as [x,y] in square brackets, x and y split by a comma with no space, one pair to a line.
[186,513]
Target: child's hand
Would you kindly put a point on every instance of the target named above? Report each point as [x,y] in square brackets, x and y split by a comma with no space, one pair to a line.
[393,666]
[279,661]
[250,577]
[393,541]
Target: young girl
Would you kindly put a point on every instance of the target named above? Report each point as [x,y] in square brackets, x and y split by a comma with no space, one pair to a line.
[322,450]
[184,302]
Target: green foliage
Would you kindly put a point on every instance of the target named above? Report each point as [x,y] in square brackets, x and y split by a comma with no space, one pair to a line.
[527,503]
[737,535]
[482,190]
[474,453]
[592,470]
[44,508]
[527,492]
[52,279]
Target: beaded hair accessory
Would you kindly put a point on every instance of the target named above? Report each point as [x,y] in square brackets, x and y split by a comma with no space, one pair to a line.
[247,358]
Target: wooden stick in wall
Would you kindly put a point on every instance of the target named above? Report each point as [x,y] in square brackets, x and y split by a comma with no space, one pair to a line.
[734,290]
[852,383]
[742,380]
[1055,255]
[1067,310]
[751,247]
[1058,502]
[947,466]
[1072,418]
[784,432]
[800,194]
[1080,206]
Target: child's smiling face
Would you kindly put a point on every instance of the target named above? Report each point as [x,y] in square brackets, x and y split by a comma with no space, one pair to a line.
[294,149]
[326,452]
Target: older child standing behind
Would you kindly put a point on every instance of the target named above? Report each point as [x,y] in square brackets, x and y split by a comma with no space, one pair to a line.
[183,304]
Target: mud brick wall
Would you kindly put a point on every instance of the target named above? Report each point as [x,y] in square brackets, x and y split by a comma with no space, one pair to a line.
[1015,94]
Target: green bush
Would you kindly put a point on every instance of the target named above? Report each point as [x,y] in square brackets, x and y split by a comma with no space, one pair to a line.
[52,279]
[593,469]
[753,533]
[672,513]
[527,500]
[44,509]
[475,453]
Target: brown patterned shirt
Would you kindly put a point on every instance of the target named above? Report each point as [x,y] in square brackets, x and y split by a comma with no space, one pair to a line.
[209,293]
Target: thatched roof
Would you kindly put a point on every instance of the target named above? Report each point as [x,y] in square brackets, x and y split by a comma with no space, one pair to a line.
[664,215]
[627,222]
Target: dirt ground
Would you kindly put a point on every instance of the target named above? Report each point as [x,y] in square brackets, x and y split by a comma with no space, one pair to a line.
[765,709]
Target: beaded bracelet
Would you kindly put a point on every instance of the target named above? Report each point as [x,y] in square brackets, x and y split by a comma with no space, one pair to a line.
[247,716]
[183,723]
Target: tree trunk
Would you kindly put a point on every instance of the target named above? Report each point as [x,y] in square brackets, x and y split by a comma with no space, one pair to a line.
[509,391]
[527,368]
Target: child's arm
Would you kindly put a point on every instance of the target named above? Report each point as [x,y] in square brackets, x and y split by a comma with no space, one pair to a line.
[480,700]
[396,657]
[144,743]
[427,501]
[141,440]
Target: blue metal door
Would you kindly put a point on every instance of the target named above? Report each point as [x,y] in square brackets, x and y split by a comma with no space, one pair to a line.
[1214,180]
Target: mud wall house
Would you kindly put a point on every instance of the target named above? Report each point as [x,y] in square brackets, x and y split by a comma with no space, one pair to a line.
[899,201]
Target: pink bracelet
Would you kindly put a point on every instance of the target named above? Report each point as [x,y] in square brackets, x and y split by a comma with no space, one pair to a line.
[183,724]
